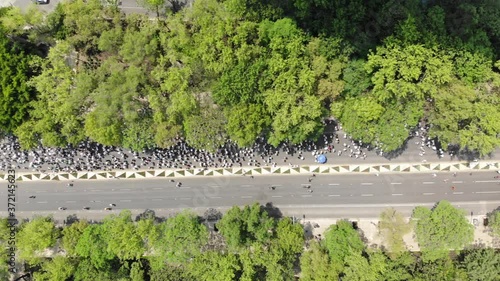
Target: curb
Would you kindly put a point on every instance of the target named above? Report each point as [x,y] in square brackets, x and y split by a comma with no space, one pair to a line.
[258,171]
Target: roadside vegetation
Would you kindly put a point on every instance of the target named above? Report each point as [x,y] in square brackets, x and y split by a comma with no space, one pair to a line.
[240,69]
[252,243]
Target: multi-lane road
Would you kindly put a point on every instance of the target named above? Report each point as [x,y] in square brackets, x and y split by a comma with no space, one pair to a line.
[332,196]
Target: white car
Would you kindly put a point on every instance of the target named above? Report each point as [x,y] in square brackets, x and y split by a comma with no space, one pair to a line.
[62,208]
[41,2]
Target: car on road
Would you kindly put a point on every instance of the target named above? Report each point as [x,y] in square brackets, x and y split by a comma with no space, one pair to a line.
[112,205]
[32,197]
[62,208]
[41,2]
[86,208]
[107,209]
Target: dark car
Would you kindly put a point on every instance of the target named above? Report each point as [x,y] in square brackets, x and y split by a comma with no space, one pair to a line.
[86,208]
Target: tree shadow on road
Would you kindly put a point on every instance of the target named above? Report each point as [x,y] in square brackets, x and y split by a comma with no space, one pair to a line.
[273,212]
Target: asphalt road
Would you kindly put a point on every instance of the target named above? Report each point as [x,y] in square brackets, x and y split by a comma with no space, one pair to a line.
[333,195]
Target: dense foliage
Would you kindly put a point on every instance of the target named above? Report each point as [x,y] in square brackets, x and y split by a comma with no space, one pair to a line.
[240,69]
[246,244]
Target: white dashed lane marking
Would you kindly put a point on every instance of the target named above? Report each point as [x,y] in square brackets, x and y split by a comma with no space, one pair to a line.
[487,181]
[396,183]
[366,194]
[457,181]
[333,195]
[397,194]
[487,192]
[458,193]
[428,193]
[333,184]
[367,183]
[428,182]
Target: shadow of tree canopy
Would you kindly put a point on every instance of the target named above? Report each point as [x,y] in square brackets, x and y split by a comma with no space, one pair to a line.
[272,211]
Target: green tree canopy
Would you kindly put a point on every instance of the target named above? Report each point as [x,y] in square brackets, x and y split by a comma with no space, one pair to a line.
[241,227]
[494,222]
[341,241]
[36,236]
[315,264]
[71,235]
[482,264]
[181,238]
[441,229]
[392,227]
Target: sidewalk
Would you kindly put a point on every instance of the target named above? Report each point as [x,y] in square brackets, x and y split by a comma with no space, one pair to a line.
[368,228]
[260,171]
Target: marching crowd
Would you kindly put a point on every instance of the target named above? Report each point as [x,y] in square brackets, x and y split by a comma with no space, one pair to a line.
[90,156]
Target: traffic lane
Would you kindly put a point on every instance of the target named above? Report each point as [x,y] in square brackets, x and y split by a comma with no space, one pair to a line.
[362,187]
[357,211]
[408,182]
[197,199]
[226,192]
[393,181]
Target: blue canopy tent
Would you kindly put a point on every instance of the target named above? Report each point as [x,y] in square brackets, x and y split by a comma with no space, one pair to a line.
[321,159]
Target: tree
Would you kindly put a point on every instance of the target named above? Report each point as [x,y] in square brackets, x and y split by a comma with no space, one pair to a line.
[71,235]
[315,264]
[56,118]
[441,268]
[290,237]
[207,130]
[246,122]
[181,238]
[466,117]
[121,237]
[169,272]
[58,268]
[357,267]
[393,226]
[87,271]
[290,97]
[400,268]
[243,227]
[214,266]
[441,229]
[15,70]
[136,272]
[36,236]
[93,247]
[356,78]
[482,264]
[494,222]
[341,241]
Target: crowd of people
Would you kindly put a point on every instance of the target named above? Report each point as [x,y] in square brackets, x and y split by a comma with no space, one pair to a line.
[91,156]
